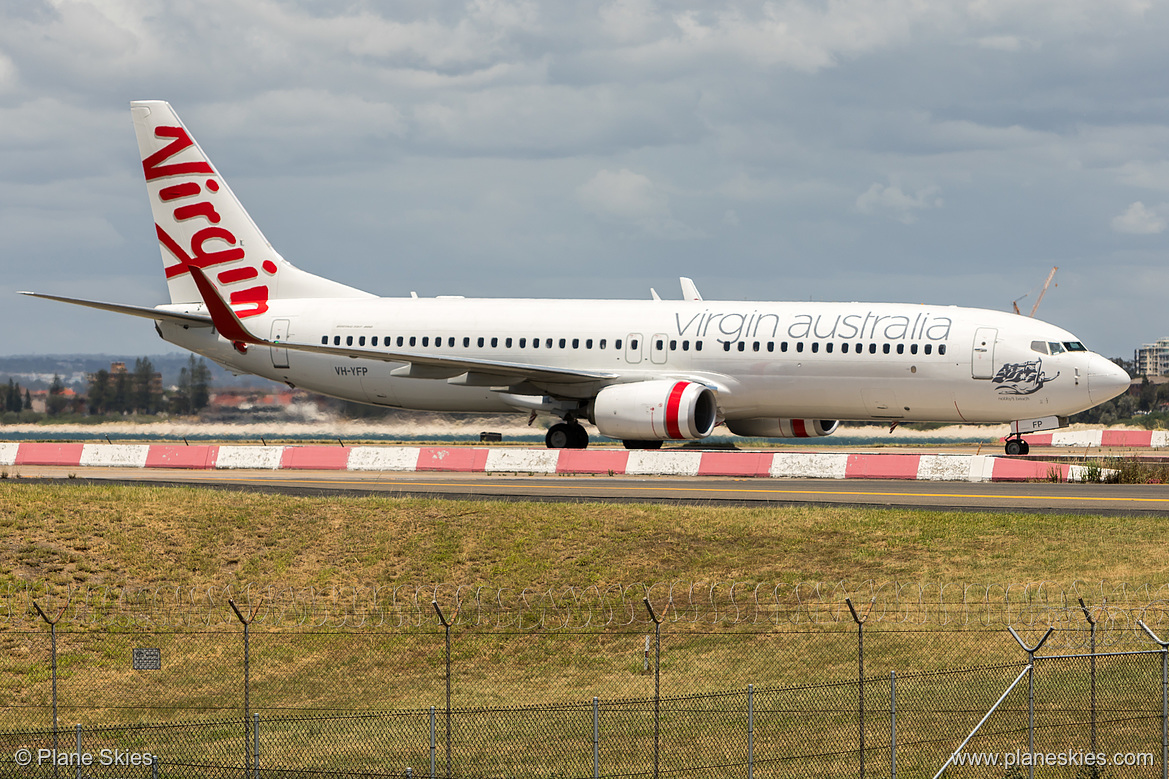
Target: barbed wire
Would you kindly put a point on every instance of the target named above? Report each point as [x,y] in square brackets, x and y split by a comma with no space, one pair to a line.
[697,604]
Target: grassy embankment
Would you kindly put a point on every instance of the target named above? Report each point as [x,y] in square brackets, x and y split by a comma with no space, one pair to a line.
[116,535]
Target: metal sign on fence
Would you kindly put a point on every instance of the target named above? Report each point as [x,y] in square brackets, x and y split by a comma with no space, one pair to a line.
[146,659]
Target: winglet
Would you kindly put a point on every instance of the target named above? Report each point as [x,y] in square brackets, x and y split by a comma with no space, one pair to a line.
[222,316]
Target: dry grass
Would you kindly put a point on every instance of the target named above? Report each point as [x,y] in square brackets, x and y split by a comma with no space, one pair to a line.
[116,535]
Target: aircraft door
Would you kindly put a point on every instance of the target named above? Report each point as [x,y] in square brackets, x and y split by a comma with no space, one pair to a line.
[982,356]
[279,335]
[657,348]
[633,348]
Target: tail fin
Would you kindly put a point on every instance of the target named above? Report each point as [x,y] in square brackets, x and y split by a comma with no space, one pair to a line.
[200,222]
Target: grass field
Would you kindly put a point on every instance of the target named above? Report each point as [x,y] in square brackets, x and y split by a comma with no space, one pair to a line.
[114,536]
[119,535]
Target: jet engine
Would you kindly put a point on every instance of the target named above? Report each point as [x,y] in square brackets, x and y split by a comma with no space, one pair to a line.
[783,428]
[655,410]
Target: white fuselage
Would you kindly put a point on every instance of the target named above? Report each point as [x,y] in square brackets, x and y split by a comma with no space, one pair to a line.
[846,361]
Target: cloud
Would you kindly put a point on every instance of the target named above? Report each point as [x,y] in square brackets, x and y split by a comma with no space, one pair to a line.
[1138,219]
[631,198]
[890,200]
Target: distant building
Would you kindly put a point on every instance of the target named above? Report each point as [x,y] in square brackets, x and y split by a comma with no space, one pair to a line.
[1153,359]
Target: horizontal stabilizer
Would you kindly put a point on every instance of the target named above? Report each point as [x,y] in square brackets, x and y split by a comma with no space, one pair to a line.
[157,314]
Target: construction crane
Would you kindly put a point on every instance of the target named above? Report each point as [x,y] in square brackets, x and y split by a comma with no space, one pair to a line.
[1039,299]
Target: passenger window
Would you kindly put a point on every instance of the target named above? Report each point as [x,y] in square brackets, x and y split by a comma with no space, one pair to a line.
[480,342]
[860,348]
[548,343]
[815,347]
[771,346]
[941,348]
[844,348]
[373,341]
[698,346]
[783,346]
[494,342]
[535,343]
[617,344]
[450,341]
[523,342]
[913,348]
[885,348]
[726,346]
[401,341]
[602,344]
[633,344]
[685,346]
[673,346]
[901,348]
[872,348]
[507,343]
[349,340]
[1040,346]
[755,346]
[324,340]
[438,340]
[562,342]
[828,347]
[361,341]
[929,348]
[426,340]
[588,343]
[659,344]
[742,345]
[575,343]
[799,346]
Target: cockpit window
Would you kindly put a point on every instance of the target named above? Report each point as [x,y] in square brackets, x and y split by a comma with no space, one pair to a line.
[1075,346]
[1039,346]
[1057,348]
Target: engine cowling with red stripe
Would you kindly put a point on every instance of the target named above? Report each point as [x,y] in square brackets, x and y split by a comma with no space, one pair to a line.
[656,410]
[783,428]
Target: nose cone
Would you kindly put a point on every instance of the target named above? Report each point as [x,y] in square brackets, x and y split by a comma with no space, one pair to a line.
[1106,379]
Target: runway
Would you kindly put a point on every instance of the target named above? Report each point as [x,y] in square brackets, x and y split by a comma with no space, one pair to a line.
[1028,497]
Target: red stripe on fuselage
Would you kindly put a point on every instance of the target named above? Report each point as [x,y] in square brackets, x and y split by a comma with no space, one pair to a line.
[672,407]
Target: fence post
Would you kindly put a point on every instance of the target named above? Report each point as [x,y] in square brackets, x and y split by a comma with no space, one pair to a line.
[1164,698]
[750,731]
[247,622]
[447,627]
[256,743]
[1092,623]
[893,725]
[432,744]
[1031,693]
[53,638]
[596,738]
[860,658]
[657,682]
[78,753]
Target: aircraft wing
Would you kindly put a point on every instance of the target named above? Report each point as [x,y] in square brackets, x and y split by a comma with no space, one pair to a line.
[422,366]
[156,314]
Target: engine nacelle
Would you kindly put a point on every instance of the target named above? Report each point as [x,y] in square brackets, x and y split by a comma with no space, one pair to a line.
[783,428]
[655,410]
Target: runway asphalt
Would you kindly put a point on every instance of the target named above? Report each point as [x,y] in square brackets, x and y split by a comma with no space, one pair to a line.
[1035,497]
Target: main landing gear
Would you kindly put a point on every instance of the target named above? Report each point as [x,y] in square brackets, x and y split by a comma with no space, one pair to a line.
[566,435]
[1016,445]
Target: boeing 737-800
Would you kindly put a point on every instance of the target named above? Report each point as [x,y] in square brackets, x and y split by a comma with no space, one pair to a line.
[643,371]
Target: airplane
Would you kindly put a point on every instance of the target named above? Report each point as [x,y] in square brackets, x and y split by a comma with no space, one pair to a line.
[639,371]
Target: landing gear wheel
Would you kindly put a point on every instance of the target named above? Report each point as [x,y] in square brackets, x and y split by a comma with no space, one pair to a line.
[643,444]
[1017,446]
[566,435]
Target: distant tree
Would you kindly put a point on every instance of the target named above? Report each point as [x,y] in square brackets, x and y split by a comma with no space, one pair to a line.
[12,397]
[200,383]
[99,392]
[1148,395]
[57,400]
[27,401]
[119,398]
[145,397]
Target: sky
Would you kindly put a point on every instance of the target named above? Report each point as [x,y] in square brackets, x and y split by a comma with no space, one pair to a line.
[867,150]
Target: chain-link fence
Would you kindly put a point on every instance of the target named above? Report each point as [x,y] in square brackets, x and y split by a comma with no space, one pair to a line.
[661,697]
